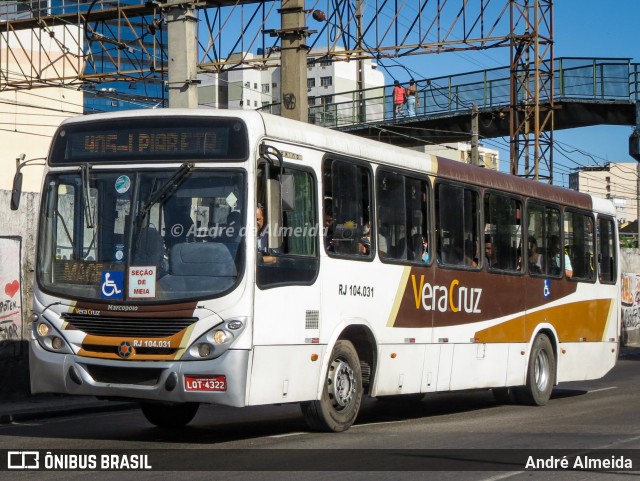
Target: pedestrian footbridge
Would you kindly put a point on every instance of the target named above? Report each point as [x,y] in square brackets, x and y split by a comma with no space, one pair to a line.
[587,91]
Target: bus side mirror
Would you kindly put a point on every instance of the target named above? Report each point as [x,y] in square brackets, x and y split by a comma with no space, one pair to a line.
[16,191]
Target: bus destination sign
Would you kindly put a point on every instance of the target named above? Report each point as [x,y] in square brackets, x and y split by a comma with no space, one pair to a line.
[145,142]
[224,140]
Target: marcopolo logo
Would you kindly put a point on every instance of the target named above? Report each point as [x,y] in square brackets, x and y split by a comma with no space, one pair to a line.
[453,297]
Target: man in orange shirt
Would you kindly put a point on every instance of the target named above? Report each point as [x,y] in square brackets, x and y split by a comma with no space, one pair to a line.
[399,96]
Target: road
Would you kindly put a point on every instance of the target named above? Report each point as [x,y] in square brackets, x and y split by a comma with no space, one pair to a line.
[581,417]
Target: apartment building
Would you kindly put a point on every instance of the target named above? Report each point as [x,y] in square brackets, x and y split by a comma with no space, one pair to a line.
[614,180]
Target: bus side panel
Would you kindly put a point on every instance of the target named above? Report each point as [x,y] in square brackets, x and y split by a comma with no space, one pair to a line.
[517,364]
[445,367]
[580,361]
[431,365]
[402,366]
[479,365]
[282,374]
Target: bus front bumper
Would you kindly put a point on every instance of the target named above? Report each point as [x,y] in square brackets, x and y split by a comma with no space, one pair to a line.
[144,380]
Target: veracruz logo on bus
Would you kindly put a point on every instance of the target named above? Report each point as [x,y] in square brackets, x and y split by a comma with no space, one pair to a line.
[453,297]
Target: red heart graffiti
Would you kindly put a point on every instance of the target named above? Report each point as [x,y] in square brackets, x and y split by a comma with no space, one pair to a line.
[11,288]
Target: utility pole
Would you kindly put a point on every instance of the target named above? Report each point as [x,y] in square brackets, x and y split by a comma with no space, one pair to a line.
[360,64]
[475,157]
[293,73]
[183,55]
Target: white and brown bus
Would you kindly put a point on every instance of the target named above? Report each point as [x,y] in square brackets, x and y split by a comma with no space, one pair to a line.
[382,272]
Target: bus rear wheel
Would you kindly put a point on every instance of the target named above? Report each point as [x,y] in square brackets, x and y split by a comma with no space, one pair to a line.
[169,415]
[540,374]
[338,407]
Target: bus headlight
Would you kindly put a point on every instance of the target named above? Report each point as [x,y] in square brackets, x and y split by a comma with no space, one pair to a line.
[216,341]
[220,337]
[57,343]
[43,329]
[204,349]
[49,338]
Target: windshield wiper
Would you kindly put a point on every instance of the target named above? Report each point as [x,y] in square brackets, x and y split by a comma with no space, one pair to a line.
[166,189]
[88,213]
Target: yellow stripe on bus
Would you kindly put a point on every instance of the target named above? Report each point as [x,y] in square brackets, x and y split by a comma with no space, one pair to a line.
[399,295]
[594,317]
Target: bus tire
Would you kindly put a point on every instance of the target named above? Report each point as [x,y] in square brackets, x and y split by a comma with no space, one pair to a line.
[169,415]
[341,397]
[540,374]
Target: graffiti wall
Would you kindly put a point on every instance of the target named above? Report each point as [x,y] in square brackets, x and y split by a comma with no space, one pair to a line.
[630,308]
[10,297]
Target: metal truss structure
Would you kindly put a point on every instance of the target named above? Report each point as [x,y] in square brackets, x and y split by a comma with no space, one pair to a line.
[81,43]
[532,78]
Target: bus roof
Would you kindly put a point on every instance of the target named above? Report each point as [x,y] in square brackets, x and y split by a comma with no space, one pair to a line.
[346,144]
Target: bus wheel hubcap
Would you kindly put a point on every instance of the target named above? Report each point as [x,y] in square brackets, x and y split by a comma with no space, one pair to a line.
[541,370]
[341,384]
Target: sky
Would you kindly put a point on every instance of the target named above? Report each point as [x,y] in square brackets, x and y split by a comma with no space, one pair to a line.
[582,28]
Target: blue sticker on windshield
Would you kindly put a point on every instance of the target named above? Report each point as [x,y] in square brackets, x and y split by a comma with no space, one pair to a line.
[111,284]
[119,253]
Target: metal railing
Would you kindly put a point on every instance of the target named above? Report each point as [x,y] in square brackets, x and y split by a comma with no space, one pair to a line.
[575,79]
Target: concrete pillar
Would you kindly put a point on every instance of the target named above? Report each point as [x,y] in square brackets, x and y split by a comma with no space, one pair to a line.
[183,54]
[294,61]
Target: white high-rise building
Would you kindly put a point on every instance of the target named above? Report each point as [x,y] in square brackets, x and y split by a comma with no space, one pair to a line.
[331,88]
[246,88]
[330,84]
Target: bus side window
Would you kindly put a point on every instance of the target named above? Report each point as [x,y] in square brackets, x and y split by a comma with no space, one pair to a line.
[403,232]
[457,225]
[578,241]
[606,250]
[349,187]
[543,225]
[296,261]
[502,228]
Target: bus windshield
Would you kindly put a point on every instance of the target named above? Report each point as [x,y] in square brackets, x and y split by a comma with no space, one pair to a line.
[152,235]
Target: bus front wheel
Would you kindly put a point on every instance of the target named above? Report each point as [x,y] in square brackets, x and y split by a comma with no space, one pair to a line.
[169,415]
[540,374]
[338,407]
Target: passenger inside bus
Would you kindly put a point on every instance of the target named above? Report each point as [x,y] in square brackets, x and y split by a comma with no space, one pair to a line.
[556,254]
[364,246]
[489,253]
[535,258]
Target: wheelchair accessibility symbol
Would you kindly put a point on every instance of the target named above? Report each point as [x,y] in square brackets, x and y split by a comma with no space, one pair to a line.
[547,288]
[111,285]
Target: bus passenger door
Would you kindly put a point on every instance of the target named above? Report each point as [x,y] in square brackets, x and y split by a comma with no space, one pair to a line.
[287,297]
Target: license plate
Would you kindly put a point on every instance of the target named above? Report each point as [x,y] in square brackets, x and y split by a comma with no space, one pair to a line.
[205,383]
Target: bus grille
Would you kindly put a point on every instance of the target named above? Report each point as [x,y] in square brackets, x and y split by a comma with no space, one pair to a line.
[128,326]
